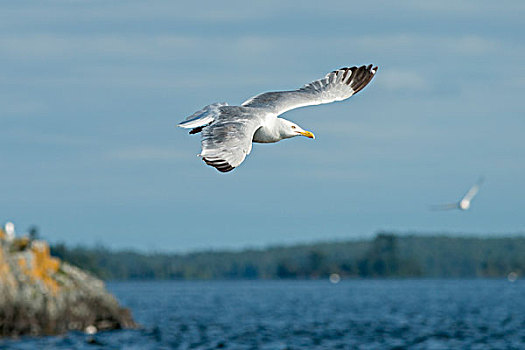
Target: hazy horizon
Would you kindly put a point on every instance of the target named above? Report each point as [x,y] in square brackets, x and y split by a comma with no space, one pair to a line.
[282,244]
[91,94]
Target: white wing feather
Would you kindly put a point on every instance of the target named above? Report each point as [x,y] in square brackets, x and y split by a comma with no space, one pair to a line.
[228,139]
[473,190]
[335,86]
[202,117]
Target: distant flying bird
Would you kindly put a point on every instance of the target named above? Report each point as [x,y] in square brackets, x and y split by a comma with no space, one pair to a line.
[464,203]
[228,131]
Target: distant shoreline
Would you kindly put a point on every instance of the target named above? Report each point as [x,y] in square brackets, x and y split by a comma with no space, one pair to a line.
[385,256]
[263,247]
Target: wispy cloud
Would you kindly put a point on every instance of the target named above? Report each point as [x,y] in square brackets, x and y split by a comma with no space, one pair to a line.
[65,45]
[80,12]
[406,80]
[14,105]
[432,43]
[160,60]
[145,154]
[472,8]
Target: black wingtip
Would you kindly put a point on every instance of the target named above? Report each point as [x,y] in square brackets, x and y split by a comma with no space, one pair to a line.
[219,164]
[196,130]
[361,77]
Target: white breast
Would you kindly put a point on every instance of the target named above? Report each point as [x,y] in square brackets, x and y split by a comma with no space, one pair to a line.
[269,132]
[266,135]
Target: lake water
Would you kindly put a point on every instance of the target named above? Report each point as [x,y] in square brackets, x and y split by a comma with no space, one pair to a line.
[353,314]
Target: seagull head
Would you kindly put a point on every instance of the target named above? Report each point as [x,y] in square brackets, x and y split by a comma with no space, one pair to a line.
[289,129]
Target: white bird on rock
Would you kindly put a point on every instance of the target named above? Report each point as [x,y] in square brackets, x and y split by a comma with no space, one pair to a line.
[228,131]
[464,203]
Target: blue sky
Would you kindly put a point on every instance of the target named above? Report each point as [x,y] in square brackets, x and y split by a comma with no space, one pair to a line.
[91,93]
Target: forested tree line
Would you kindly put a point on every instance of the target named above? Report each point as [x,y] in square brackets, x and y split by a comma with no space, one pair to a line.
[386,256]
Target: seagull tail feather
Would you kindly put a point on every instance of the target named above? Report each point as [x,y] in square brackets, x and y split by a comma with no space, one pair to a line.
[200,119]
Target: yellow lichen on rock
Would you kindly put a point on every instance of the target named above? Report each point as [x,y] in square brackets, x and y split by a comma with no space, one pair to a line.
[41,265]
[40,295]
[6,277]
[4,266]
[43,255]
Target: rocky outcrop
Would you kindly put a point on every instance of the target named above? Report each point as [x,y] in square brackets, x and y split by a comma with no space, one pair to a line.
[41,295]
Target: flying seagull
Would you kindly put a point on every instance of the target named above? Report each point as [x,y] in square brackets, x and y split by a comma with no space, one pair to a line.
[464,203]
[228,131]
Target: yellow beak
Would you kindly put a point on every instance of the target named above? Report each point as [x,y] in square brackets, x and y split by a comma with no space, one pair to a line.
[307,134]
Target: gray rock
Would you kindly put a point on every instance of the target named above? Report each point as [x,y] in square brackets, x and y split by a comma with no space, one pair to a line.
[41,295]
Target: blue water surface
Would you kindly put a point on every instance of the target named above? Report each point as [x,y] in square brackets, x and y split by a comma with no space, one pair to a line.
[353,314]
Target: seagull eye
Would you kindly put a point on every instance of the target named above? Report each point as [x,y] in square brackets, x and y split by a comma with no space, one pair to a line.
[293,126]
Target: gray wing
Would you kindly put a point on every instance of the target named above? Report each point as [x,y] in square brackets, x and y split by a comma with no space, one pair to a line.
[228,139]
[335,86]
[201,118]
[449,206]
[473,190]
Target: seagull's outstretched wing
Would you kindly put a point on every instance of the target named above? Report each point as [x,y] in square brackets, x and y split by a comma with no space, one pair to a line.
[473,190]
[335,86]
[449,206]
[228,139]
